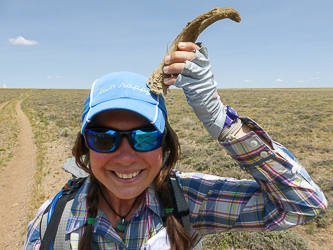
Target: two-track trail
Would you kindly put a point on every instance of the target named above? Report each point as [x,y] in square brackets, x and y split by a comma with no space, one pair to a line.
[3,104]
[15,186]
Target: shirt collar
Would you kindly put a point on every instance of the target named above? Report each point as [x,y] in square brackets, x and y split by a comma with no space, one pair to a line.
[151,200]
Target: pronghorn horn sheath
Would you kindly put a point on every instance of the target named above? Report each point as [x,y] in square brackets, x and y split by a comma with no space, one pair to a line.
[189,34]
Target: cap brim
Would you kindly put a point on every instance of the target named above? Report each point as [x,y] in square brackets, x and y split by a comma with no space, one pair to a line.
[148,110]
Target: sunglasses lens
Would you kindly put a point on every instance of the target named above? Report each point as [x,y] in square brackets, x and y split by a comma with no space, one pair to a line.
[102,140]
[146,139]
[106,140]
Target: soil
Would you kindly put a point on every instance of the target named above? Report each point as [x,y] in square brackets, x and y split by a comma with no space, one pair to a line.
[16,184]
[17,181]
[322,239]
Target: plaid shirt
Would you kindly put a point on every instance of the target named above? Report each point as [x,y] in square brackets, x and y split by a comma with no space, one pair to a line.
[282,196]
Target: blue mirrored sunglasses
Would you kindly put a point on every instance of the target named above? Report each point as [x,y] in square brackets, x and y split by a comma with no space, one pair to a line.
[106,140]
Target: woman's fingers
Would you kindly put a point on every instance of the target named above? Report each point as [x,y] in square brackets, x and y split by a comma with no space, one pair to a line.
[170,80]
[185,54]
[178,57]
[188,46]
[174,68]
[175,61]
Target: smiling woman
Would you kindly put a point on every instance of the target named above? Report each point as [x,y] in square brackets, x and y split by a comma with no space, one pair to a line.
[114,168]
[129,150]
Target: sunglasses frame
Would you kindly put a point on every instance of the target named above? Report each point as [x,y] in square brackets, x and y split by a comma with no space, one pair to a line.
[121,133]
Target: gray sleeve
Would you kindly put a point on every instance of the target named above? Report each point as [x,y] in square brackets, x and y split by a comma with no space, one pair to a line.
[199,86]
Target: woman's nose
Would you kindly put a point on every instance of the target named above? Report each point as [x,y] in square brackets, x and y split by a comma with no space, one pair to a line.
[125,154]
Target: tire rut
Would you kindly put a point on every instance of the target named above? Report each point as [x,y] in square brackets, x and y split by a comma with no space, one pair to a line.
[3,104]
[16,185]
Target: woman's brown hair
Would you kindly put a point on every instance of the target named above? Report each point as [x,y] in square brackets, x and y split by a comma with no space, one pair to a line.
[171,149]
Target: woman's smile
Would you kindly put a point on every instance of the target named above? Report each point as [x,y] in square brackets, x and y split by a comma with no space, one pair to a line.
[127,176]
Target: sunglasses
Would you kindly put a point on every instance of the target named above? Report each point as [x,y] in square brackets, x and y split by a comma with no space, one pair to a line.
[106,140]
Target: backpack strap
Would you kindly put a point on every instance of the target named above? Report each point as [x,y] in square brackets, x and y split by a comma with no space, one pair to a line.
[181,211]
[180,205]
[54,230]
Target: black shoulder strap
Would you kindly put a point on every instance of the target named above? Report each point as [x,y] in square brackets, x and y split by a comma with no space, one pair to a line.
[52,228]
[180,205]
[181,211]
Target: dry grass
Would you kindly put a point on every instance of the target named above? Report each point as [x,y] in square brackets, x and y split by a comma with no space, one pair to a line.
[10,94]
[9,130]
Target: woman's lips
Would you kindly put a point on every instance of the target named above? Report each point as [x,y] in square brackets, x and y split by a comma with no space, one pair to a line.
[127,176]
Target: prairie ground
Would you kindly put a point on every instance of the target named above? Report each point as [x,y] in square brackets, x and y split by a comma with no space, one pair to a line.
[300,119]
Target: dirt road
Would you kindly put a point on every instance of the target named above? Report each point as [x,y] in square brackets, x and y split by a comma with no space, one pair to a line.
[16,185]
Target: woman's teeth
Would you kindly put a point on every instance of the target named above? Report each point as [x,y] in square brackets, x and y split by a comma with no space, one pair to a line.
[127,176]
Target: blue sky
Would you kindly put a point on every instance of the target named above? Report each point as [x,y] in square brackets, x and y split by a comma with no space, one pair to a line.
[69,44]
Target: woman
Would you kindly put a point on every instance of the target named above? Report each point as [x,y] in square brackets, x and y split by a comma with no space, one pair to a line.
[129,149]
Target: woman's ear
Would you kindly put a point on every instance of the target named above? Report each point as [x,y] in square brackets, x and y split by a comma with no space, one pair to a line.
[165,157]
[86,159]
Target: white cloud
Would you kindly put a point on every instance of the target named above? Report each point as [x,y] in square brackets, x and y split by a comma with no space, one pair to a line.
[20,40]
[309,80]
[4,86]
[279,80]
[247,81]
[58,76]
[48,77]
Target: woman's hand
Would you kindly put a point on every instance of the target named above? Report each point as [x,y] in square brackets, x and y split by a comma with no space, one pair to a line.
[175,62]
[191,66]
[199,86]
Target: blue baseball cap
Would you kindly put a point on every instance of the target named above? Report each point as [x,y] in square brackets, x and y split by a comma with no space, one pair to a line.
[124,90]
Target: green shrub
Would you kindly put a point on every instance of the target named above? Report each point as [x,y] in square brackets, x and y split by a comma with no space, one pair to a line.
[280,240]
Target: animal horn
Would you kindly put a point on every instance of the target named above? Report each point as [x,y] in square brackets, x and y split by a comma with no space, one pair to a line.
[189,34]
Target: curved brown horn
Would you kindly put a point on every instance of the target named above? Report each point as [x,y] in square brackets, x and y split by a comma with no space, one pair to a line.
[189,34]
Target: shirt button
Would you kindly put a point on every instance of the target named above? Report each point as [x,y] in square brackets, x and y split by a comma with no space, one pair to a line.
[293,170]
[263,154]
[254,144]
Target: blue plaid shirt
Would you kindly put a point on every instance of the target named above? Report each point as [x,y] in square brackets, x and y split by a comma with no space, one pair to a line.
[282,196]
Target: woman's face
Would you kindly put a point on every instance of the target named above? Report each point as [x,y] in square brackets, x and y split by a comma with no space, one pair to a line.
[125,173]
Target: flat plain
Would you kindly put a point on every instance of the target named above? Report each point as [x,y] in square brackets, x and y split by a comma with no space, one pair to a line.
[300,119]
